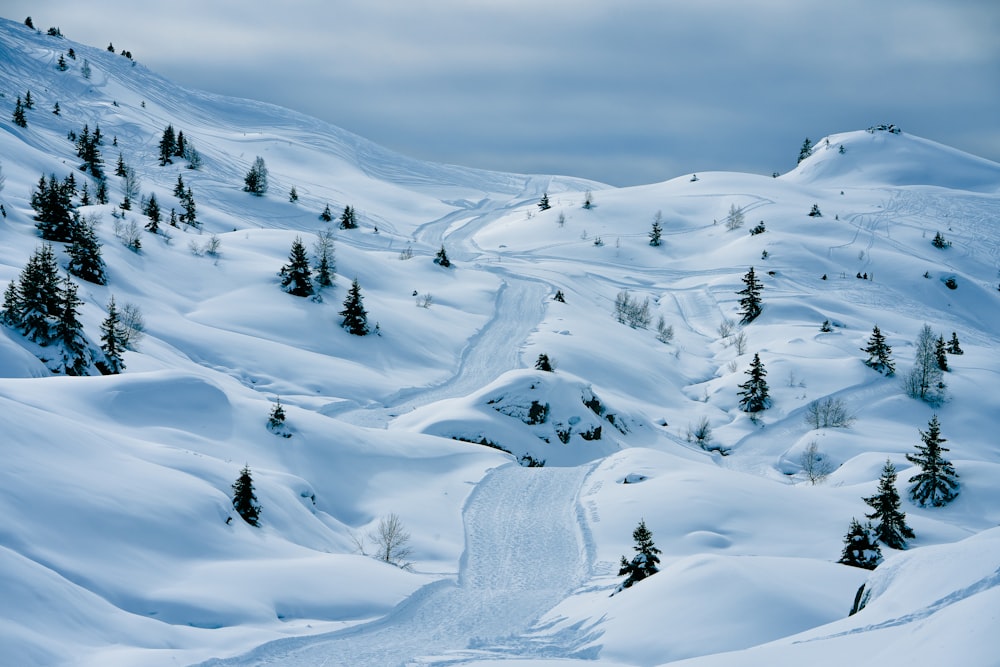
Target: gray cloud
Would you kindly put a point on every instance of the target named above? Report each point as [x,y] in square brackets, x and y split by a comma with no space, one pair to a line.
[628,92]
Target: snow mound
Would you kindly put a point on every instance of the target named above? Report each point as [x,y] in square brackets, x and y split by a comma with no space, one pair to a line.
[552,417]
[891,158]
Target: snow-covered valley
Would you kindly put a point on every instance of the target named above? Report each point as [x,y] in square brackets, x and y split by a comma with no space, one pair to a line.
[120,544]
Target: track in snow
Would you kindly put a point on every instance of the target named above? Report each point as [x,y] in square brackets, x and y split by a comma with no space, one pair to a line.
[525,552]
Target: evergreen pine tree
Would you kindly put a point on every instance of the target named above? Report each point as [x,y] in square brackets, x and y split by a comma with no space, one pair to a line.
[55,108]
[348,219]
[111,342]
[61,63]
[326,215]
[296,276]
[102,191]
[937,482]
[861,548]
[69,332]
[84,252]
[442,258]
[29,103]
[753,393]
[35,309]
[53,205]
[953,346]
[178,187]
[180,146]
[244,500]
[276,420]
[644,563]
[190,211]
[891,528]
[544,363]
[355,316]
[168,146]
[806,150]
[879,352]
[153,213]
[293,195]
[941,354]
[120,166]
[750,304]
[543,203]
[255,182]
[19,118]
[656,232]
[325,262]
[10,313]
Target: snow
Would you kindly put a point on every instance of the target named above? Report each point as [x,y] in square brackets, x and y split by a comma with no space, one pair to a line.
[115,491]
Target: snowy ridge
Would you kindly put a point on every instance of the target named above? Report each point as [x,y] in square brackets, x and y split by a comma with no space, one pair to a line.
[120,545]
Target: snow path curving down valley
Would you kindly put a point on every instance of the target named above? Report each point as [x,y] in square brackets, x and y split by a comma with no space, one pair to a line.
[525,551]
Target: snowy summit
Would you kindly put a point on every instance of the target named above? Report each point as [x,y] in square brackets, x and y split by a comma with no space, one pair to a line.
[274,394]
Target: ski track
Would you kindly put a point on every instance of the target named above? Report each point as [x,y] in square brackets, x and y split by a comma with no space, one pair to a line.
[526,550]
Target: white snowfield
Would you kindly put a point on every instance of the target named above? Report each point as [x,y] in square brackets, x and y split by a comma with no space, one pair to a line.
[119,545]
[524,553]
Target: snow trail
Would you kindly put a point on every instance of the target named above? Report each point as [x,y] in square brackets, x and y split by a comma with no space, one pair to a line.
[525,552]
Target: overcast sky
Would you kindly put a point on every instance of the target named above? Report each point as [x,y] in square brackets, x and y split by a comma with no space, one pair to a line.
[624,91]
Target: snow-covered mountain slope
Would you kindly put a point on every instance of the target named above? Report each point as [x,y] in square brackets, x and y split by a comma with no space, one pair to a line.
[120,545]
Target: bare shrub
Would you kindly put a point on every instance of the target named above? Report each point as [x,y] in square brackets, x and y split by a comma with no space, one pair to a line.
[735,218]
[390,540]
[828,413]
[132,326]
[664,332]
[629,311]
[700,433]
[739,342]
[726,327]
[814,464]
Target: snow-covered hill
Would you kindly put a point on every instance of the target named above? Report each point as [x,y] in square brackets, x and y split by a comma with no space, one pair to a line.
[120,545]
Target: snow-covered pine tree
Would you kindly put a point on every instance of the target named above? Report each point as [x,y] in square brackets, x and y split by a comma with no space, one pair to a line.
[355,316]
[861,548]
[255,182]
[879,353]
[111,342]
[750,304]
[543,203]
[754,396]
[937,482]
[941,354]
[53,205]
[296,275]
[644,563]
[891,528]
[326,215]
[544,363]
[33,306]
[153,213]
[168,146]
[348,220]
[244,499]
[656,233]
[806,150]
[276,420]
[76,357]
[18,117]
[953,346]
[441,258]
